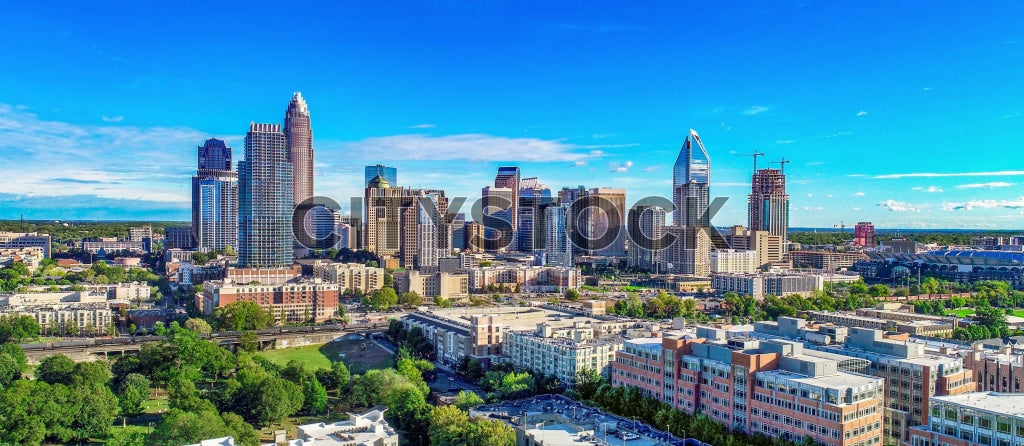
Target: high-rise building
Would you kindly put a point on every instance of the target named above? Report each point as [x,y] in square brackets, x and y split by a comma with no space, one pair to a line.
[499,213]
[265,199]
[215,198]
[769,203]
[769,247]
[646,249]
[508,177]
[299,136]
[689,252]
[864,234]
[390,174]
[408,224]
[558,244]
[534,197]
[691,175]
[605,214]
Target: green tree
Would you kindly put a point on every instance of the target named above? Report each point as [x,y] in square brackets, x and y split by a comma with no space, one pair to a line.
[410,299]
[199,326]
[134,391]
[588,380]
[240,316]
[383,299]
[466,400]
[249,341]
[125,437]
[56,369]
[572,294]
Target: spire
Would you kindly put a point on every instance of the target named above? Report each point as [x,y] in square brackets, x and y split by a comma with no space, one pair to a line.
[299,103]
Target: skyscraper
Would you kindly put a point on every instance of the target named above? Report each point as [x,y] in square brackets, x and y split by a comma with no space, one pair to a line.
[508,177]
[299,136]
[408,224]
[605,214]
[534,197]
[769,204]
[691,175]
[215,198]
[499,212]
[645,254]
[864,234]
[265,199]
[558,226]
[390,174]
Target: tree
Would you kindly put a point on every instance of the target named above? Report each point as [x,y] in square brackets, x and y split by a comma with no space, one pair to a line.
[124,437]
[134,391]
[17,328]
[490,432]
[879,290]
[240,316]
[92,372]
[56,369]
[588,380]
[383,299]
[199,326]
[180,427]
[466,400]
[249,341]
[10,370]
[334,378]
[410,299]
[572,294]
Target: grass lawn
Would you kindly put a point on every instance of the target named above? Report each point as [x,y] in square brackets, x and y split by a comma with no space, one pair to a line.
[961,312]
[631,288]
[155,406]
[358,353]
[593,288]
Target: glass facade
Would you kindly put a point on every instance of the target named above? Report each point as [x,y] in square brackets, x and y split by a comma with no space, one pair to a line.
[265,199]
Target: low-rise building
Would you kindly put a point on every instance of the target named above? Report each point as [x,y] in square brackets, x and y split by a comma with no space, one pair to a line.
[31,257]
[447,285]
[366,429]
[455,337]
[264,276]
[828,260]
[288,302]
[18,240]
[759,285]
[556,279]
[972,419]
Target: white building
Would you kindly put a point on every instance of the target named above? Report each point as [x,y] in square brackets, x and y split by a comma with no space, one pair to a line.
[25,240]
[734,261]
[350,276]
[562,352]
[367,429]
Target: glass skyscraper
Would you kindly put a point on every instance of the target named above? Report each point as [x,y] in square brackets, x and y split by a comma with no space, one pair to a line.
[215,198]
[691,176]
[389,174]
[265,205]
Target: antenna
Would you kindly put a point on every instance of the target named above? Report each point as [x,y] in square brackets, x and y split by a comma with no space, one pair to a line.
[754,155]
[782,165]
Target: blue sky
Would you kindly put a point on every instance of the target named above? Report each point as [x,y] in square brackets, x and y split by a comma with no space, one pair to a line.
[907,114]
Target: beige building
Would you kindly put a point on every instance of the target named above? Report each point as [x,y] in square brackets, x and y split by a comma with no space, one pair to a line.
[562,351]
[31,256]
[455,337]
[770,248]
[264,276]
[734,261]
[350,276]
[448,285]
[17,240]
[527,278]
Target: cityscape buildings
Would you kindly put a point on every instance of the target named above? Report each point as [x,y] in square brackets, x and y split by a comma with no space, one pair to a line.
[390,174]
[265,199]
[864,234]
[299,141]
[769,203]
[14,240]
[214,199]
[690,181]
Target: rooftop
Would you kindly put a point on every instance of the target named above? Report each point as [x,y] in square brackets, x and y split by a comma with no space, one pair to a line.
[1011,404]
[839,381]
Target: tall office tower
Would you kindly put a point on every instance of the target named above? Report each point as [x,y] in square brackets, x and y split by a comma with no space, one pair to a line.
[769,203]
[534,196]
[499,213]
[690,178]
[570,194]
[508,177]
[428,231]
[265,199]
[215,198]
[459,232]
[605,214]
[646,249]
[864,234]
[689,253]
[558,245]
[299,135]
[390,174]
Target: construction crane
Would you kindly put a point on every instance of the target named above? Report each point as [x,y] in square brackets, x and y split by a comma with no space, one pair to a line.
[841,226]
[782,165]
[754,155]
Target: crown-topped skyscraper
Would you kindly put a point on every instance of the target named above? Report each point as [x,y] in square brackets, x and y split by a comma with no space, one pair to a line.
[299,136]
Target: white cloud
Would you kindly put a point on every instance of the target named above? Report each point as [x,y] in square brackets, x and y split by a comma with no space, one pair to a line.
[726,127]
[929,189]
[423,126]
[579,163]
[785,141]
[620,168]
[753,110]
[1011,115]
[998,173]
[113,119]
[989,185]
[984,204]
[471,147]
[652,168]
[596,152]
[858,194]
[862,113]
[898,206]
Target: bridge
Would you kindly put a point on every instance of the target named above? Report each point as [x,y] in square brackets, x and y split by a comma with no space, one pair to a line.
[271,338]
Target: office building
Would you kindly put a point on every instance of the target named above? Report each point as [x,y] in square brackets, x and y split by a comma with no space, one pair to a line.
[350,276]
[769,204]
[265,199]
[178,238]
[141,238]
[500,207]
[689,252]
[408,224]
[690,179]
[456,336]
[390,174]
[298,134]
[605,213]
[214,198]
[770,387]
[432,284]
[769,248]
[534,198]
[864,234]
[15,240]
[508,178]
[829,260]
[646,248]
[972,419]
[759,285]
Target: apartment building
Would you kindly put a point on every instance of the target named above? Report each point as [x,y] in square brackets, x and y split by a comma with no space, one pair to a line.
[454,337]
[17,240]
[773,387]
[293,302]
[562,351]
[447,285]
[350,276]
[527,278]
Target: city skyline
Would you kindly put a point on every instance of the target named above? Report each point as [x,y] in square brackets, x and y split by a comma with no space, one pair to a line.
[905,132]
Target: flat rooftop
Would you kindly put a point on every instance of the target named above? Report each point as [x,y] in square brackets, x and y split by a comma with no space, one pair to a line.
[1011,404]
[516,318]
[840,381]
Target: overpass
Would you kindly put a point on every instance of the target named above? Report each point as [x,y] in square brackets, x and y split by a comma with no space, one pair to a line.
[273,338]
